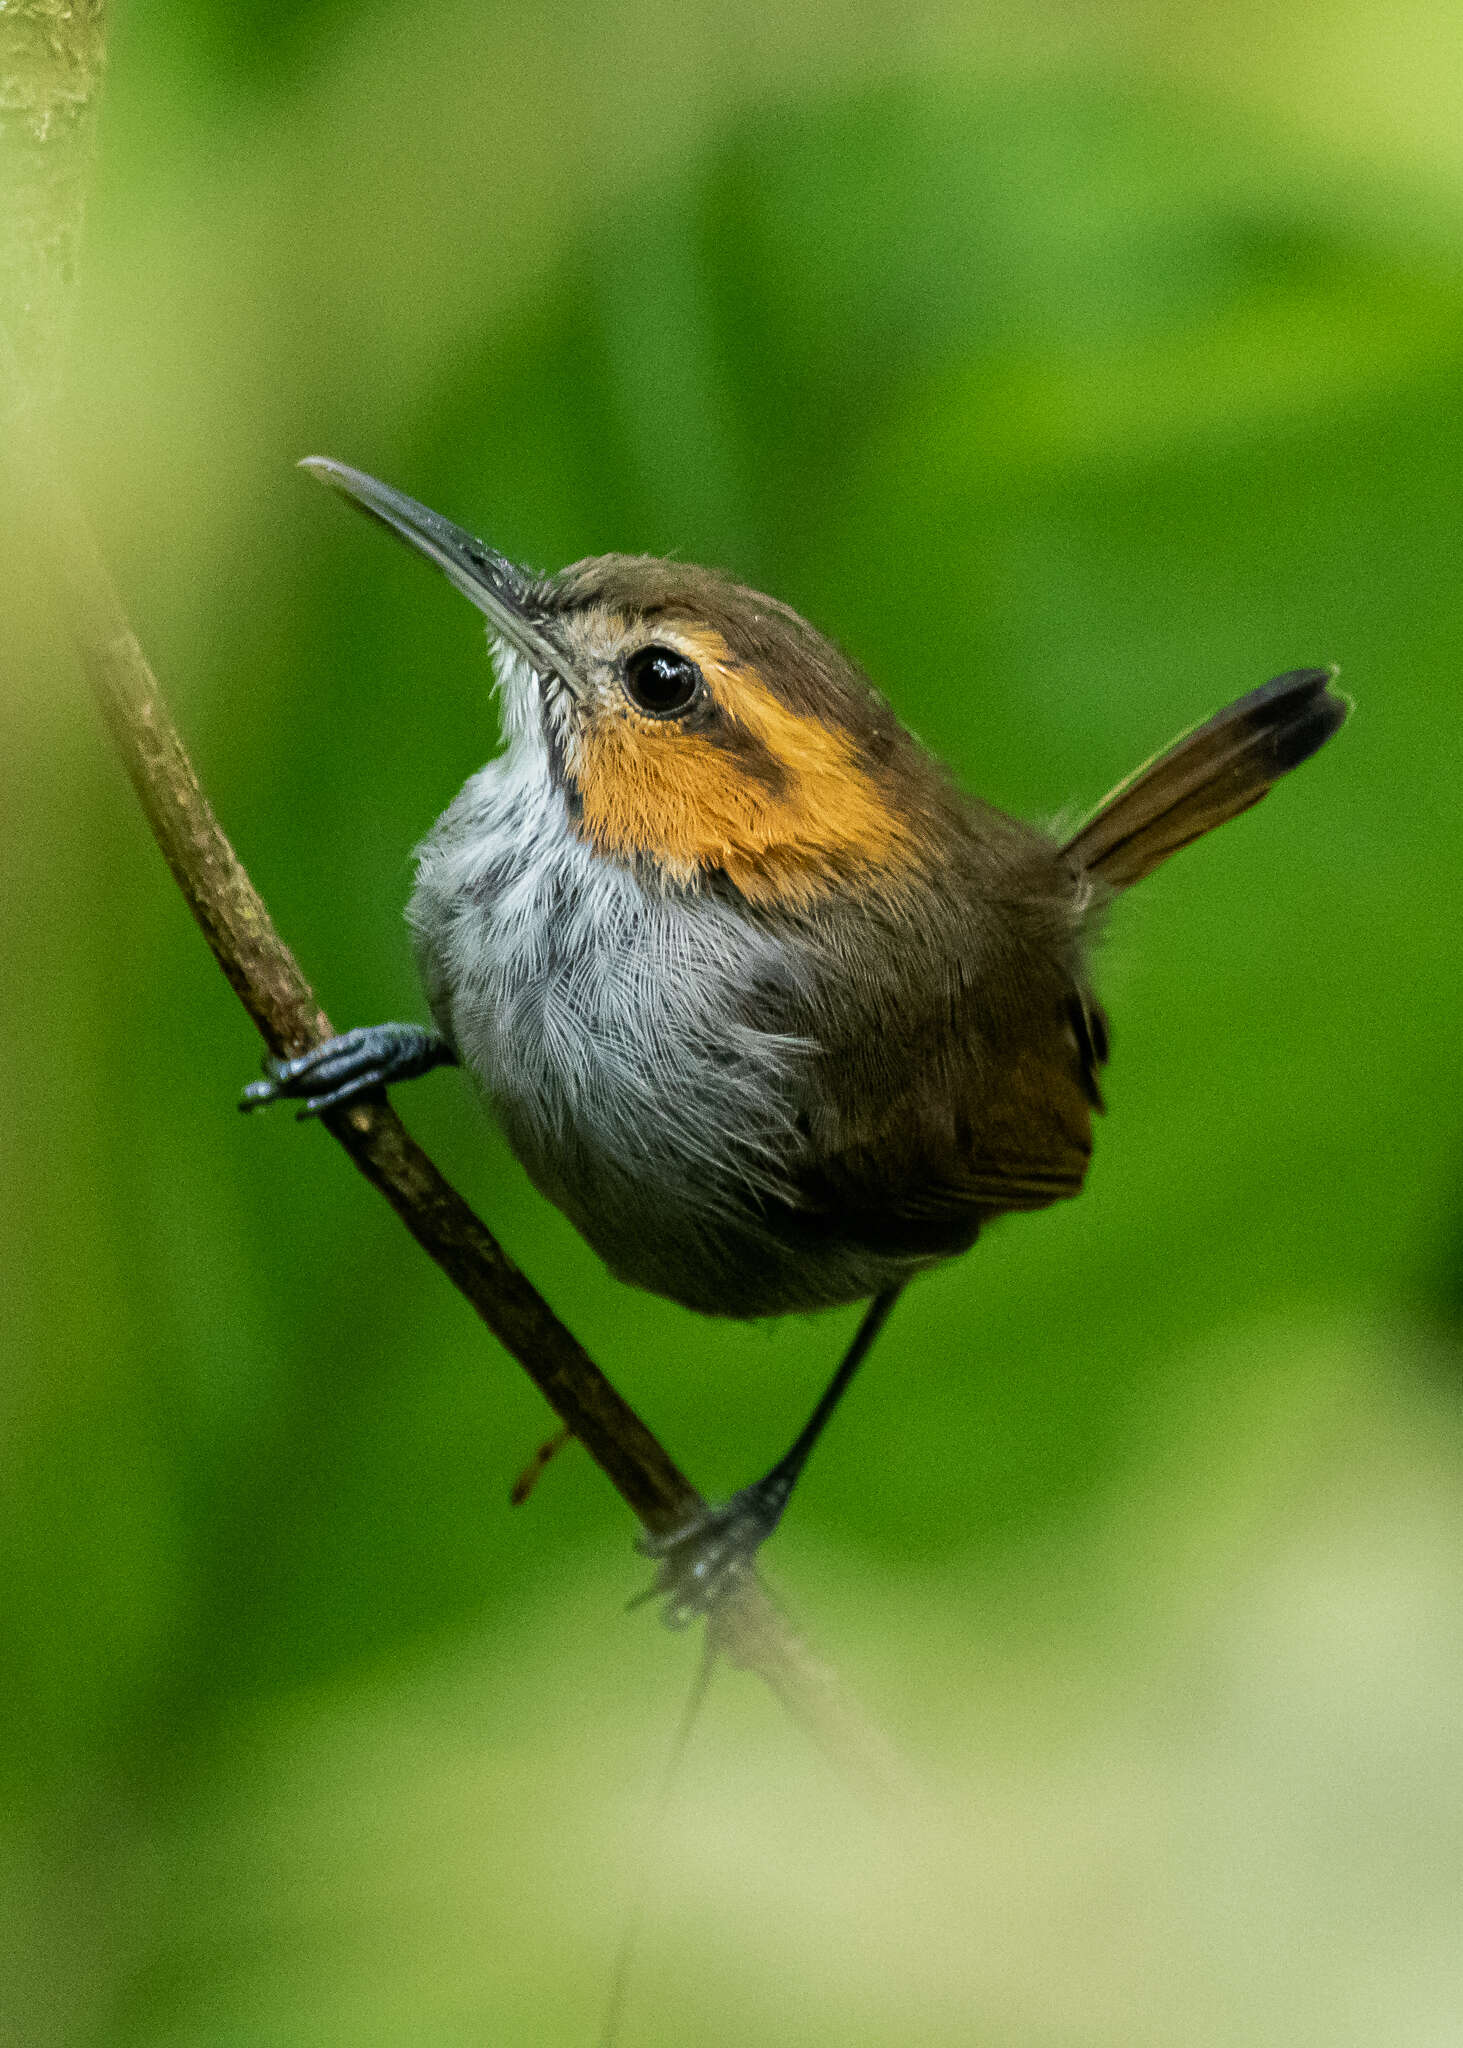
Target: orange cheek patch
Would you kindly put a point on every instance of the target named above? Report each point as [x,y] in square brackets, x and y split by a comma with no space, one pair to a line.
[694,806]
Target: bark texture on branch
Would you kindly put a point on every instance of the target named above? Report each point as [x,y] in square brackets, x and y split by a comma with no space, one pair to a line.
[752,1632]
[51,55]
[267,979]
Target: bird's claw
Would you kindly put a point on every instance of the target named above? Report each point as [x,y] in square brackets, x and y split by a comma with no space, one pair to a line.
[343,1069]
[702,1561]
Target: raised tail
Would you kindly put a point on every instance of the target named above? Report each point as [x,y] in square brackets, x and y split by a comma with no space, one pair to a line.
[1212,773]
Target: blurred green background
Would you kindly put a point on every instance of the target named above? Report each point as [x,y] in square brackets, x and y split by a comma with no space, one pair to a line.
[1078,367]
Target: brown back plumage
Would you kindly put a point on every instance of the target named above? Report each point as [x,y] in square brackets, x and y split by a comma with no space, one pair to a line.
[1211,774]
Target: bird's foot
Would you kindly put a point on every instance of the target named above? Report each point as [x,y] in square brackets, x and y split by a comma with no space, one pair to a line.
[342,1069]
[707,1557]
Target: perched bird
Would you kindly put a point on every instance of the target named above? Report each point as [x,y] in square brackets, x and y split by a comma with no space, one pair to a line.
[775,1013]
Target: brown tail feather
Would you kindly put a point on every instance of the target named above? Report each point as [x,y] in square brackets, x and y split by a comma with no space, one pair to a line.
[1211,774]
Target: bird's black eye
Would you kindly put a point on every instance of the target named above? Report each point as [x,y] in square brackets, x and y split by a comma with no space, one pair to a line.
[661,682]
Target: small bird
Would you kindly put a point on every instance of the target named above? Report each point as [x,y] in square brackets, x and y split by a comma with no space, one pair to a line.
[775,1013]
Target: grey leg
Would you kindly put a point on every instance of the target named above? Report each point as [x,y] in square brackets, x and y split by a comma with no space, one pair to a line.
[700,1561]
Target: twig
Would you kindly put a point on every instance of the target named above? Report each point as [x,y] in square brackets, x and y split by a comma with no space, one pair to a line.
[749,1629]
[263,973]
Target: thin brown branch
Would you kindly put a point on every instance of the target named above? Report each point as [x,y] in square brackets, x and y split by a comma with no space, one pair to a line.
[263,972]
[266,978]
[51,60]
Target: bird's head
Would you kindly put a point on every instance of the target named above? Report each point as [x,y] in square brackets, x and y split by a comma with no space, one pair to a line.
[695,728]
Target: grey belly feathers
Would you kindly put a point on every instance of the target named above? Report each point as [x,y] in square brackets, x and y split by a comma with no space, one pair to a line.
[615,1037]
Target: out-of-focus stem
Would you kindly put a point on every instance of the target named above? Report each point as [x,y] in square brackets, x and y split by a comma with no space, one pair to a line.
[51,57]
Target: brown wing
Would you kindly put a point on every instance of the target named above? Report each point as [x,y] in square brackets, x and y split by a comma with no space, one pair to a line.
[1090,1036]
[934,1119]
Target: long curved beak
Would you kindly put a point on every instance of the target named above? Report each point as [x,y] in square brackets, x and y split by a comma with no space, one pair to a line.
[485,578]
